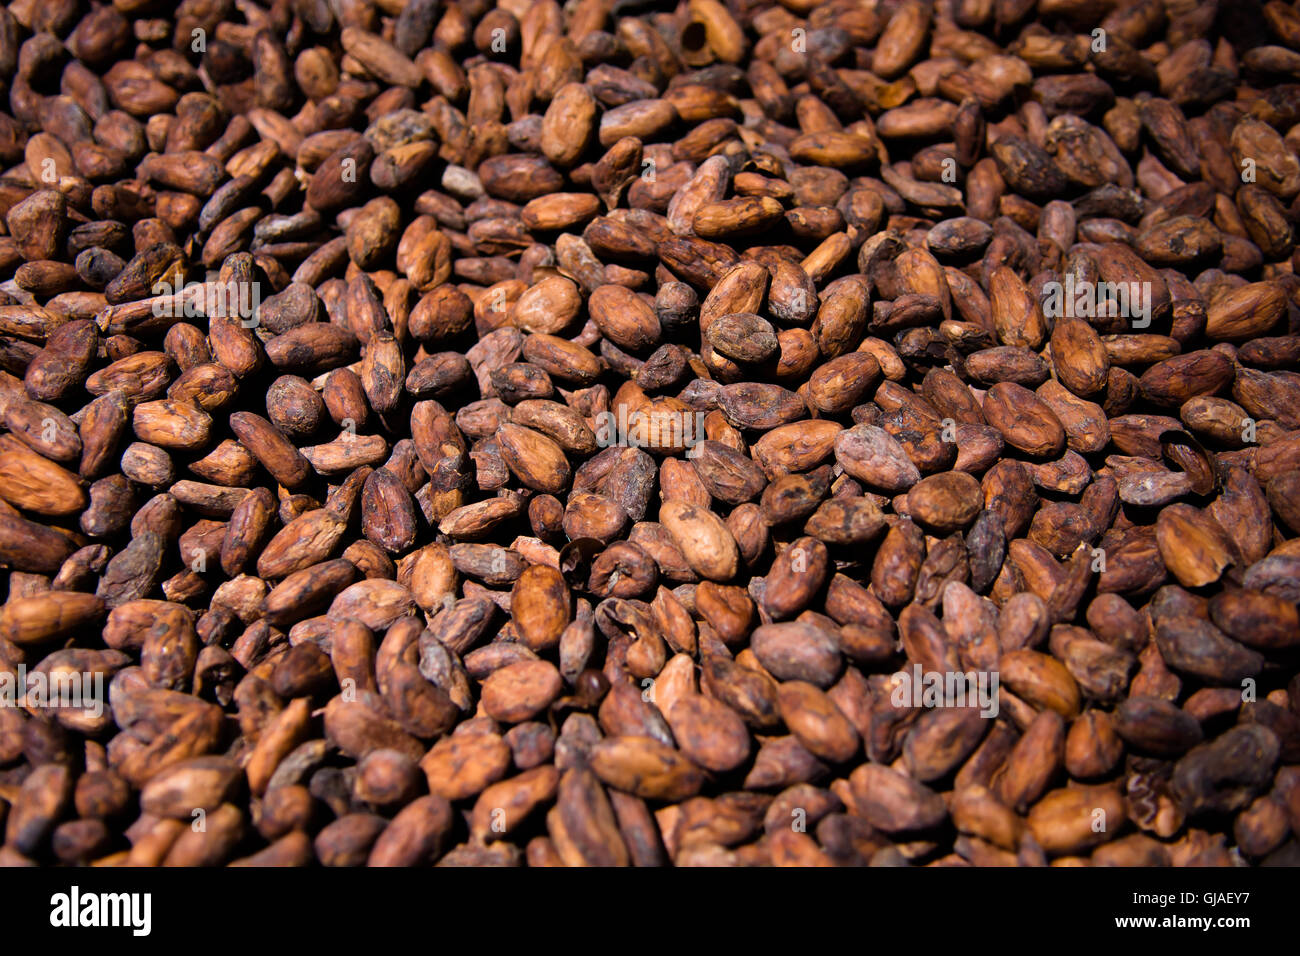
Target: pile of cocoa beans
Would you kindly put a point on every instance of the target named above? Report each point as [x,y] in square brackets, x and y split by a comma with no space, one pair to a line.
[729,432]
